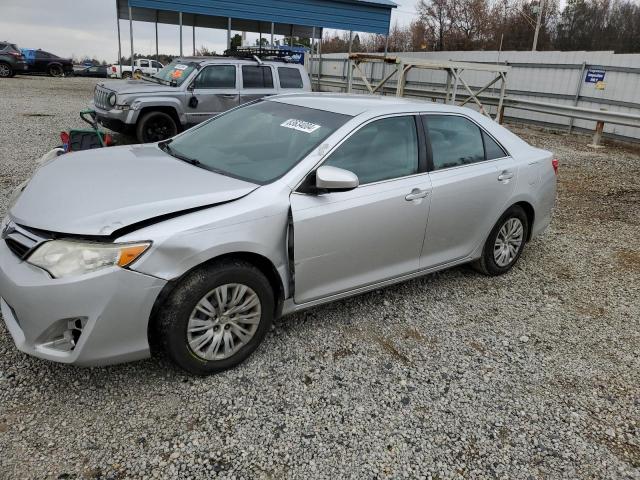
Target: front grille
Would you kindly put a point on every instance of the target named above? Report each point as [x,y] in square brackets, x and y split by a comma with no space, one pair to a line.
[20,240]
[100,98]
[17,248]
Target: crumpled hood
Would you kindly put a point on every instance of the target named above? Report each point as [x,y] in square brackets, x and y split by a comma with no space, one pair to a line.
[129,87]
[97,192]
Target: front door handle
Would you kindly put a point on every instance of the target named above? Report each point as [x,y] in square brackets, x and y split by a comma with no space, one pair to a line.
[505,175]
[416,194]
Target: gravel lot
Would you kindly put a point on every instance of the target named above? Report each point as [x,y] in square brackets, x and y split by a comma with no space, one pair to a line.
[535,374]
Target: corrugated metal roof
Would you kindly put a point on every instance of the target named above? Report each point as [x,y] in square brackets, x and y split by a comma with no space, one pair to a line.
[358,15]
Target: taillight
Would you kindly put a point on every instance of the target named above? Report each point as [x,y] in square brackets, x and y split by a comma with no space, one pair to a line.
[554,162]
[113,69]
[16,54]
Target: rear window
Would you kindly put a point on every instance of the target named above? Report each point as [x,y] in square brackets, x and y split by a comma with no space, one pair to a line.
[290,77]
[257,77]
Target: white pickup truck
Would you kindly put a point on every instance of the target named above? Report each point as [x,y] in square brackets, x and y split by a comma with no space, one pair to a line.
[142,66]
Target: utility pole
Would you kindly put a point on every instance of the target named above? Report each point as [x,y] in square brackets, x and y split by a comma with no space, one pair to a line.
[538,22]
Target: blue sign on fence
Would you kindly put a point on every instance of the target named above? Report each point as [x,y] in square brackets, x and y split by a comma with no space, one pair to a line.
[594,75]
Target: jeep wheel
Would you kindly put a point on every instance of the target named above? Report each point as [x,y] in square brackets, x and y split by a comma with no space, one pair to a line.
[137,74]
[126,75]
[5,70]
[55,70]
[155,126]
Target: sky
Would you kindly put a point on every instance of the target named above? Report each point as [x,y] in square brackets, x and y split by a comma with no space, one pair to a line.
[87,28]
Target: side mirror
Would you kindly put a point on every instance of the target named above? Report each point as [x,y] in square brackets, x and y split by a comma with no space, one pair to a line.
[336,179]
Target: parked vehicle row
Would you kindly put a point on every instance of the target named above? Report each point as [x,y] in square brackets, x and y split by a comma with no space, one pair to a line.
[189,91]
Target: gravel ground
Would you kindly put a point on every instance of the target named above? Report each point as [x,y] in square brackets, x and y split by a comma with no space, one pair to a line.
[535,374]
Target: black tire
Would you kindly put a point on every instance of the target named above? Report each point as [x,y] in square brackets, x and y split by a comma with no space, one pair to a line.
[55,70]
[155,126]
[126,75]
[137,74]
[174,315]
[6,70]
[487,263]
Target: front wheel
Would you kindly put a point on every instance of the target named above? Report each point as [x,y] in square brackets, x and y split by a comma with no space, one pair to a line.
[216,317]
[155,127]
[126,75]
[505,243]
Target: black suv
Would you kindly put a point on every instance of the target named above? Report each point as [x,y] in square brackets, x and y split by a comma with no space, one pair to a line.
[11,60]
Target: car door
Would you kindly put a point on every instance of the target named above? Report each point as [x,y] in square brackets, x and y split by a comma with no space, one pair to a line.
[472,179]
[213,91]
[41,61]
[155,67]
[346,240]
[257,82]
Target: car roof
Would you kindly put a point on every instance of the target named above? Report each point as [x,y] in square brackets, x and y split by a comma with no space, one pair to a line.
[357,104]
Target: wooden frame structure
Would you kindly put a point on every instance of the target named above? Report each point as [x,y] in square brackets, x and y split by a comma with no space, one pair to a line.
[402,66]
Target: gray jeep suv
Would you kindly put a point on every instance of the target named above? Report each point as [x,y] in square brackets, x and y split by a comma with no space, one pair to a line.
[189,91]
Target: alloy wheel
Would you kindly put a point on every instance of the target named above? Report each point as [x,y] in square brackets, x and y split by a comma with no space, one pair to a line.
[55,70]
[5,71]
[508,242]
[223,321]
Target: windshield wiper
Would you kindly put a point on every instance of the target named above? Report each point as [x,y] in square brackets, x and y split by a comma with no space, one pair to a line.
[153,79]
[164,146]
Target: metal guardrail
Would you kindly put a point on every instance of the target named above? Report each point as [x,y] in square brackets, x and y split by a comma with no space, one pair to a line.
[599,116]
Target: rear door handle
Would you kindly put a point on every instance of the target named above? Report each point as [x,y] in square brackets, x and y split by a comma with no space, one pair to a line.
[505,175]
[416,194]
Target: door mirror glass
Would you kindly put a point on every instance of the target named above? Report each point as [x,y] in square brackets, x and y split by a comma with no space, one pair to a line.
[335,179]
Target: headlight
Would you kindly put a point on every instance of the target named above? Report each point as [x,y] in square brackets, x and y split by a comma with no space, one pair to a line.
[65,258]
[111,99]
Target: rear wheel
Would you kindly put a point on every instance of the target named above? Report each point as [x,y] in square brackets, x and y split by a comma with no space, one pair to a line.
[55,70]
[216,317]
[505,243]
[155,126]
[126,75]
[5,70]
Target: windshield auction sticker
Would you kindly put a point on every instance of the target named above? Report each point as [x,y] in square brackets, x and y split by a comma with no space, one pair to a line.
[181,67]
[300,125]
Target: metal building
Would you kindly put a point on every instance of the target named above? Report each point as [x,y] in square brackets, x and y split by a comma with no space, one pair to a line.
[303,18]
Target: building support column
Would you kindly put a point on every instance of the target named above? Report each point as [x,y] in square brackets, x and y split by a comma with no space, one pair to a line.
[130,39]
[157,56]
[194,34]
[180,20]
[229,33]
[319,59]
[272,30]
[119,62]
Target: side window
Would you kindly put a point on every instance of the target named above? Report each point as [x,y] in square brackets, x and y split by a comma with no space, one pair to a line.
[491,147]
[144,63]
[454,141]
[217,76]
[155,64]
[257,77]
[290,77]
[381,150]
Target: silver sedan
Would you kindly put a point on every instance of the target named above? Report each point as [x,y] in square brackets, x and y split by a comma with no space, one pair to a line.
[197,243]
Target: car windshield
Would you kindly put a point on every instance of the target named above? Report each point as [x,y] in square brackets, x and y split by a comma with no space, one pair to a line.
[175,73]
[258,143]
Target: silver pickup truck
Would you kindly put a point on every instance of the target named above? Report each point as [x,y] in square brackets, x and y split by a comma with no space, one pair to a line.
[189,91]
